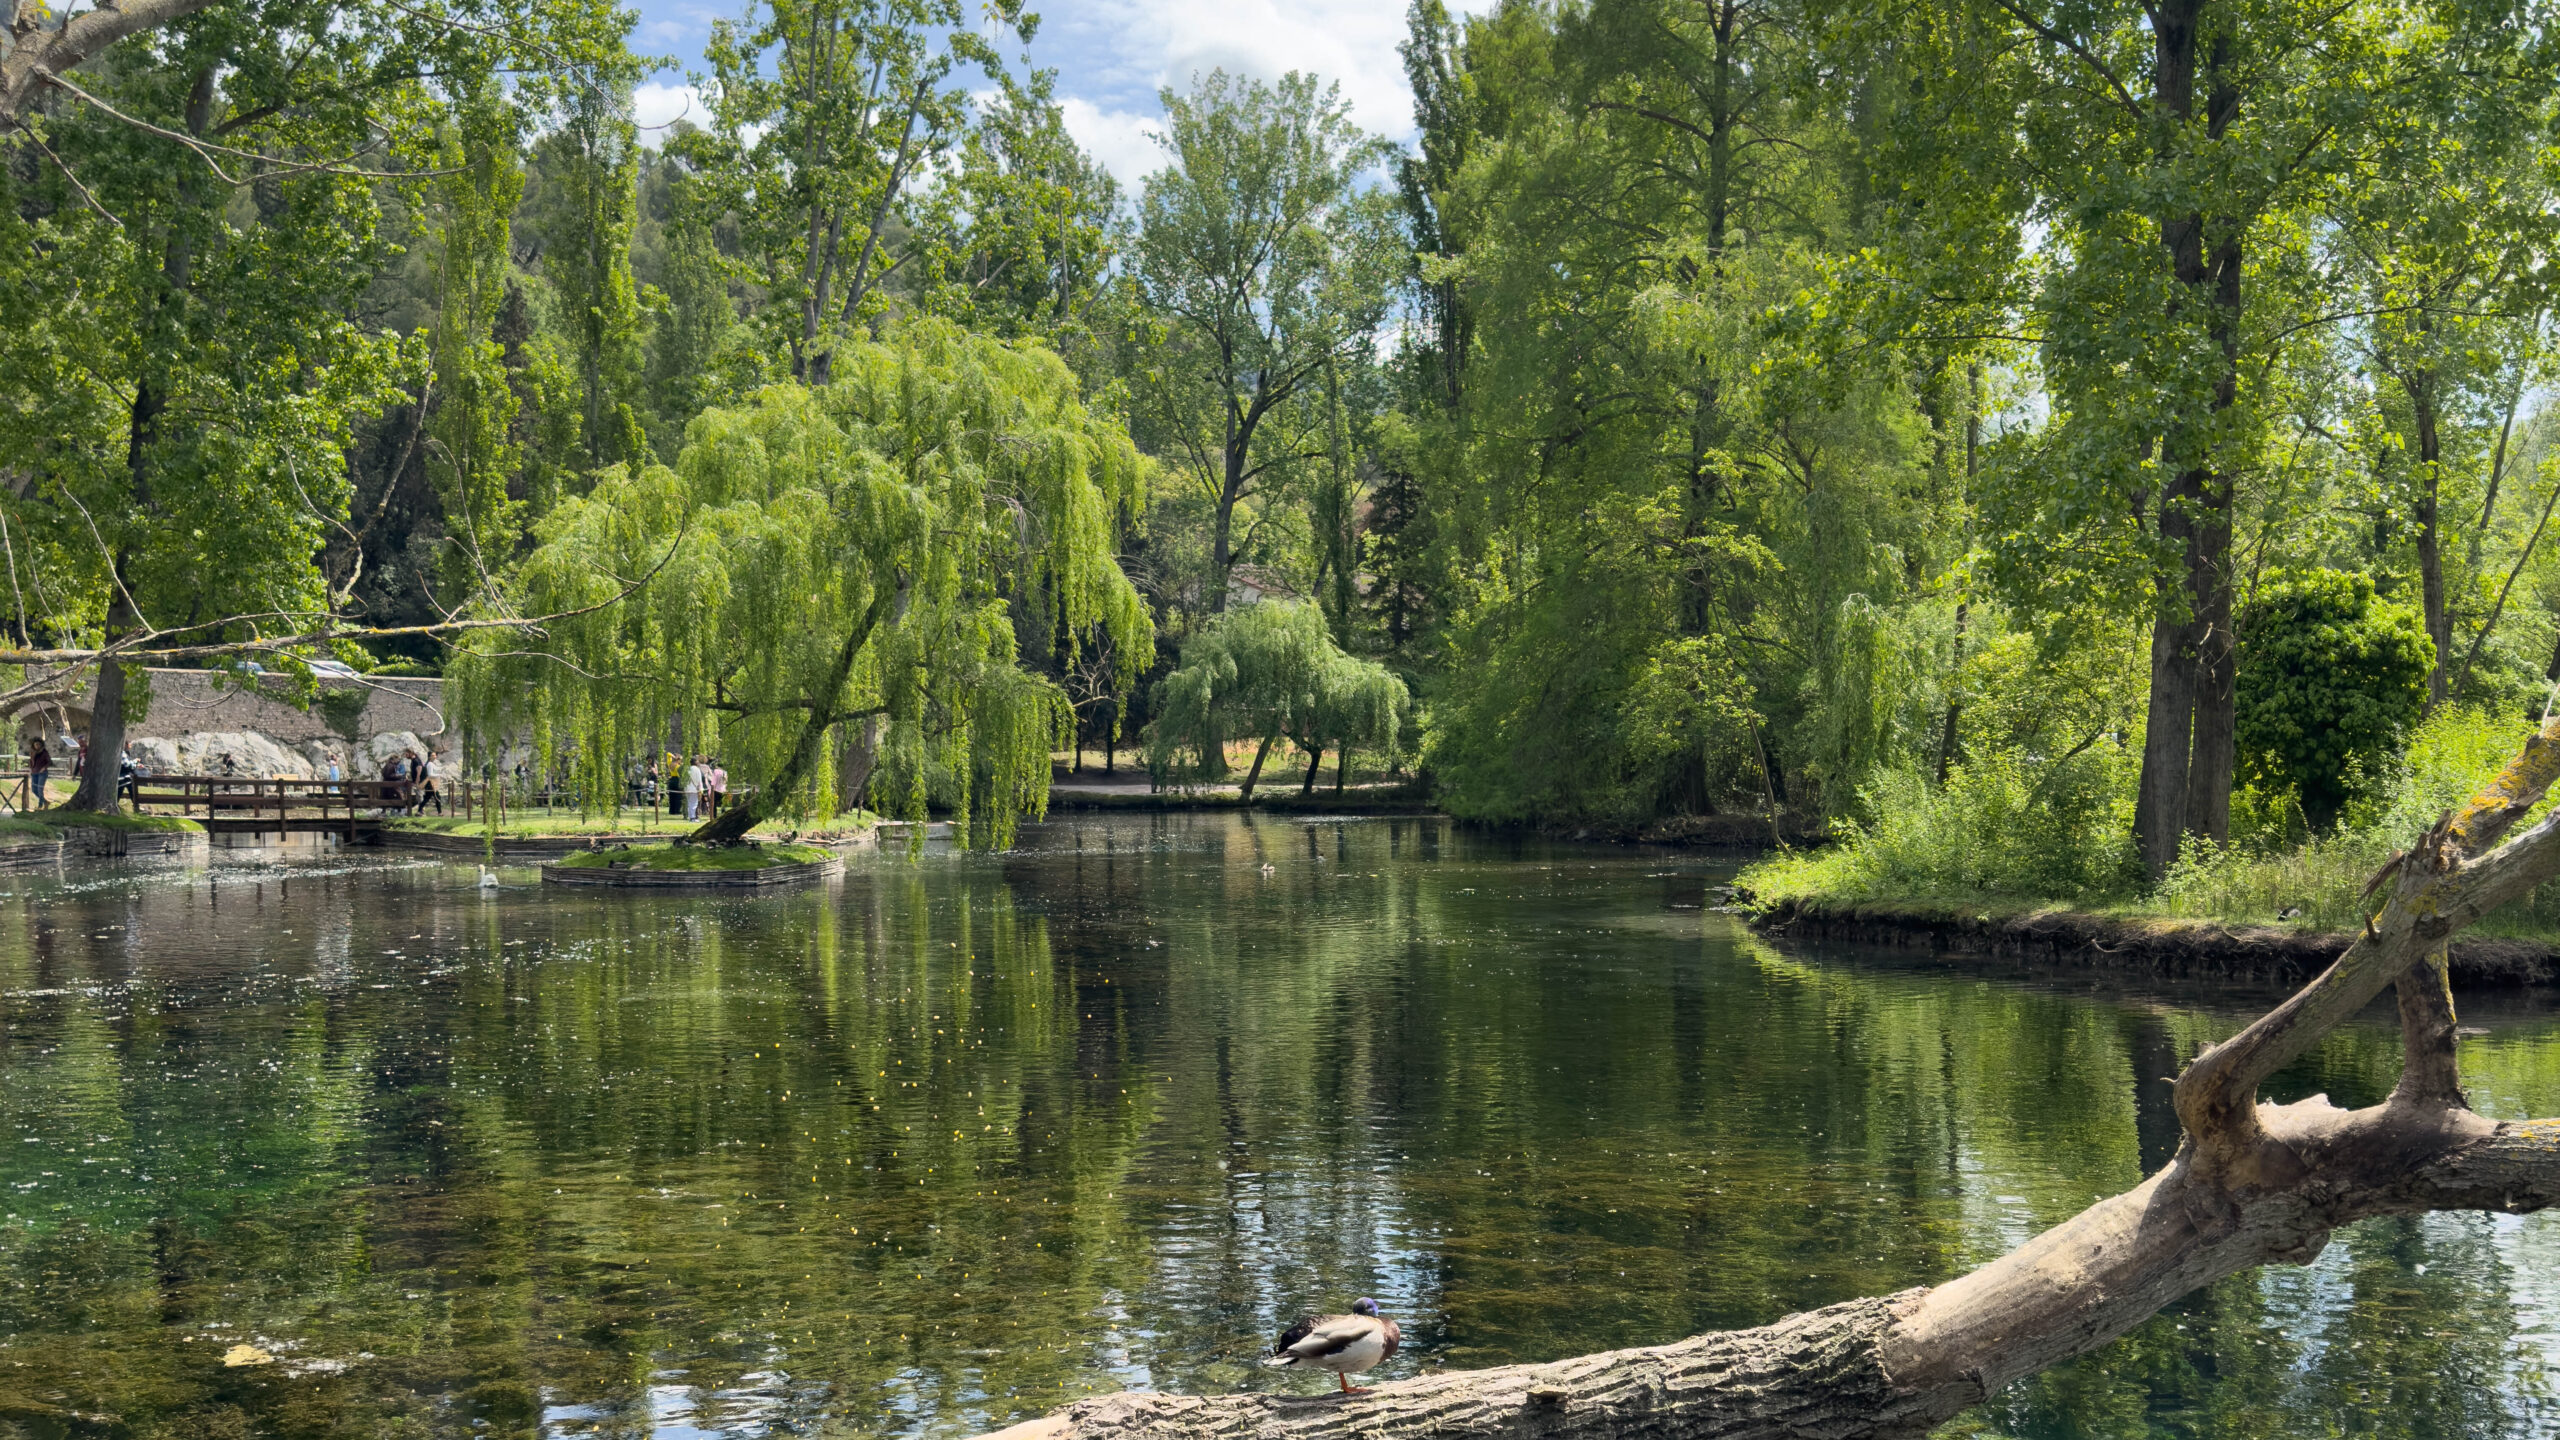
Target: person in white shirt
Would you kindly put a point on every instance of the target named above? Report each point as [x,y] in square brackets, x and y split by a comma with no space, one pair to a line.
[693,786]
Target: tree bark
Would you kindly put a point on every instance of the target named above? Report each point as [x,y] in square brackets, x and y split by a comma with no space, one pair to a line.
[2422,401]
[1255,774]
[1315,762]
[2160,796]
[2250,1184]
[37,50]
[2188,742]
[97,789]
[861,754]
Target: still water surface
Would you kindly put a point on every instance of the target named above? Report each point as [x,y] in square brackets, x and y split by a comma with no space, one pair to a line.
[959,1137]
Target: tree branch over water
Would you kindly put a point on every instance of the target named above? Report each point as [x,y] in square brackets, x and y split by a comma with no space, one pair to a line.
[2251,1184]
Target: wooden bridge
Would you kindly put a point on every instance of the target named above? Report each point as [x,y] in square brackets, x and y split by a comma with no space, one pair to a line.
[250,805]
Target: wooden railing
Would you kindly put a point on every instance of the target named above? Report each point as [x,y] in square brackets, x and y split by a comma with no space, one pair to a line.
[250,797]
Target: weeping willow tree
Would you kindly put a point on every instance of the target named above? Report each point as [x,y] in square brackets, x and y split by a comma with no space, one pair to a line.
[837,561]
[1271,671]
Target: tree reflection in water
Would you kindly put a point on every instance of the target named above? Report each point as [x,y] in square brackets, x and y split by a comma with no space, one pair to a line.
[961,1136]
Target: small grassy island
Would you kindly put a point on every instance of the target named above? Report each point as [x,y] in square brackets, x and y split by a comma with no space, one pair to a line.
[694,866]
[697,857]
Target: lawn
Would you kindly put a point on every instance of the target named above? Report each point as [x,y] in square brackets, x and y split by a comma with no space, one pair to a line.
[50,824]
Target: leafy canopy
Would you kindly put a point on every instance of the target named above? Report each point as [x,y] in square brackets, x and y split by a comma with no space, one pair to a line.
[826,555]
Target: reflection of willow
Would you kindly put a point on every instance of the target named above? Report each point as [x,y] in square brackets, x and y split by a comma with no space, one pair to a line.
[810,1145]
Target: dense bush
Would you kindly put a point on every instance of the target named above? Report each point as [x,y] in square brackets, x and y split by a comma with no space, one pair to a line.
[2004,826]
[2331,676]
[2321,882]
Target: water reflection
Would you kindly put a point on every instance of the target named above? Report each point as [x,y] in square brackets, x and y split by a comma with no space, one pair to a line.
[961,1136]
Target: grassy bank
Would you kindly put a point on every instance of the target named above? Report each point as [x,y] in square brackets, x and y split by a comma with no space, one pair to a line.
[2007,838]
[49,824]
[695,857]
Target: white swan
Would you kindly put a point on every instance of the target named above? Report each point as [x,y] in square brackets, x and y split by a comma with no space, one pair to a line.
[488,878]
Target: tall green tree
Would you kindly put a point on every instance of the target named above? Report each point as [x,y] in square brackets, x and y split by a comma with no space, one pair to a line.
[2173,162]
[827,117]
[1269,266]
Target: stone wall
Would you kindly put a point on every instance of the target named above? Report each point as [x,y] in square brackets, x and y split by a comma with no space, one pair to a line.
[192,724]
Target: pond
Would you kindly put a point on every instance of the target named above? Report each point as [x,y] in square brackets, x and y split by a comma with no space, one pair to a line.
[349,1146]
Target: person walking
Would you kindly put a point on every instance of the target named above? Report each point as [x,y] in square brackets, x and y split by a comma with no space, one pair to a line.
[693,788]
[719,786]
[39,769]
[128,777]
[427,794]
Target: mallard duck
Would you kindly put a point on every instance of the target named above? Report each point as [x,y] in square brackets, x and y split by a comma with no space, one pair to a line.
[1347,1345]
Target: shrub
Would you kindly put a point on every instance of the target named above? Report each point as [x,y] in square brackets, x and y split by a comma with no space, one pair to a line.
[2330,678]
[2005,826]
[2321,882]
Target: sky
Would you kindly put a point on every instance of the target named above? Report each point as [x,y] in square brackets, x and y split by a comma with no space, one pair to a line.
[1113,55]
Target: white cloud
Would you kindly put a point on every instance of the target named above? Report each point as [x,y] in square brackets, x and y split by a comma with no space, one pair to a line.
[1123,140]
[655,105]
[1113,55]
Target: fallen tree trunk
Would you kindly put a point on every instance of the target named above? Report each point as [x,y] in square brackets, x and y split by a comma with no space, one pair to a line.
[2251,1184]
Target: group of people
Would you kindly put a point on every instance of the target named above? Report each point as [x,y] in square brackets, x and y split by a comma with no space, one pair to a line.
[696,786]
[130,769]
[414,775]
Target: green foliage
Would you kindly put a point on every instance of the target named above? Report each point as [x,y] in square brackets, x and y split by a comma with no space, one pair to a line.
[2003,828]
[818,557]
[474,458]
[1264,672]
[1265,266]
[582,217]
[2330,678]
[826,115]
[2446,760]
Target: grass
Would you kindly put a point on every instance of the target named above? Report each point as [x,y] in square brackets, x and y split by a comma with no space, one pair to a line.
[696,857]
[51,823]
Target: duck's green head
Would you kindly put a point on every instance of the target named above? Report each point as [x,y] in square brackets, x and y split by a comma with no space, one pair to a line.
[1364,1306]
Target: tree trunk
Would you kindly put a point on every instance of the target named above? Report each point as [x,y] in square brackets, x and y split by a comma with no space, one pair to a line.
[1221,559]
[1315,762]
[855,763]
[1341,768]
[2160,796]
[2187,747]
[1955,702]
[97,789]
[2211,760]
[2249,1184]
[2422,402]
[1255,774]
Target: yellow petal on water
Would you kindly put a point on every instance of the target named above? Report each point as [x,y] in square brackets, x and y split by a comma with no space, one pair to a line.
[247,1355]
